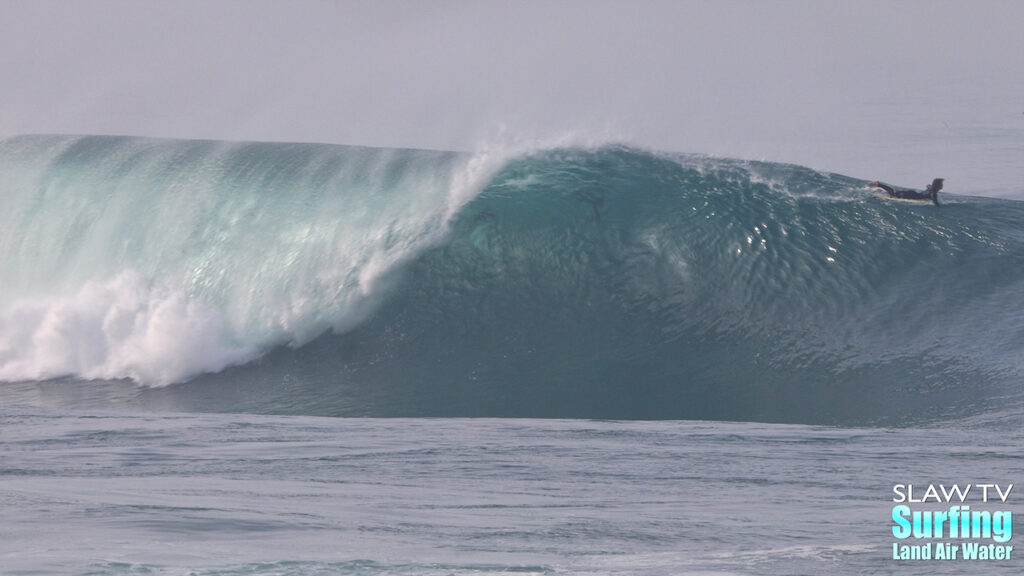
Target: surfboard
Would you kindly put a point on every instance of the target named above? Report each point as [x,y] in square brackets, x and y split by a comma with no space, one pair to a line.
[885,196]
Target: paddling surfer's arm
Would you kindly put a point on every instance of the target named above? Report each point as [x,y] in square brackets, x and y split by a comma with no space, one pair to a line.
[885,187]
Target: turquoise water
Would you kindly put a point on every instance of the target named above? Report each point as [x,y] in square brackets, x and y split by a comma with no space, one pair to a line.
[605,282]
[267,358]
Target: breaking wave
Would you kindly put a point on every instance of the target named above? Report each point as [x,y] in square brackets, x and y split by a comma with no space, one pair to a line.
[604,282]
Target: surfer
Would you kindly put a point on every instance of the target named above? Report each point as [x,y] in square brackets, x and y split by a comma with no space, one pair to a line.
[930,193]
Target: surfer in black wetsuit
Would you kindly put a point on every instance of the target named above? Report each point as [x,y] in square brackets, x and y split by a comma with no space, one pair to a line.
[930,193]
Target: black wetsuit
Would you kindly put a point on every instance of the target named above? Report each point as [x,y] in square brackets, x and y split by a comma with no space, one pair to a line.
[929,193]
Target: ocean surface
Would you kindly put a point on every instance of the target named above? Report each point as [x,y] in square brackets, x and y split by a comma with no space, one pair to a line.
[304,359]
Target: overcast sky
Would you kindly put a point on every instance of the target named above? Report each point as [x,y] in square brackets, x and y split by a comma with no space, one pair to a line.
[753,79]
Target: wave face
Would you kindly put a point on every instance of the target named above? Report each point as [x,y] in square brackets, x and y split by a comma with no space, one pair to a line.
[596,283]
